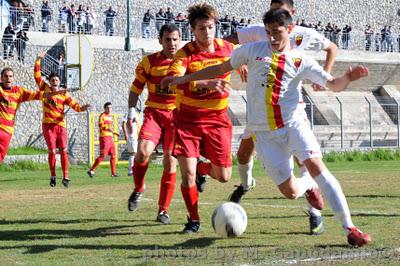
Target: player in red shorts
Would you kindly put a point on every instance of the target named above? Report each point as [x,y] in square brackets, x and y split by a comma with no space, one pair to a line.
[158,124]
[53,122]
[202,123]
[11,96]
[106,137]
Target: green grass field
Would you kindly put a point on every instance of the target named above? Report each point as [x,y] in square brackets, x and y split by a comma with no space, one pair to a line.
[89,224]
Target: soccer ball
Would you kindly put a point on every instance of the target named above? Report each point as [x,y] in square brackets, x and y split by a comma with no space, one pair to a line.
[229,220]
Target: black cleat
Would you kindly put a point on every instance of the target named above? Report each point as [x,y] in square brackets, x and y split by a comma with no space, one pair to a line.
[65,182]
[191,227]
[53,181]
[115,175]
[316,224]
[133,201]
[90,174]
[163,217]
[239,192]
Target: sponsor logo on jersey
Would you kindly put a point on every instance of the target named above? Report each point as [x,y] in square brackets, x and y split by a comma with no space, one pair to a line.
[264,59]
[166,91]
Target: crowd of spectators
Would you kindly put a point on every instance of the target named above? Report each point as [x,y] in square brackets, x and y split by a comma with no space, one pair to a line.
[226,25]
[384,40]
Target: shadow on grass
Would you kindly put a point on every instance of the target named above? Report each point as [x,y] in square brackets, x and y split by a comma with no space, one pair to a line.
[374,196]
[76,221]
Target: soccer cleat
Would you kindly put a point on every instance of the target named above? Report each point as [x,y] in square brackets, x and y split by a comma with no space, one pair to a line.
[133,201]
[239,192]
[163,217]
[90,174]
[316,224]
[65,182]
[191,227]
[53,181]
[315,199]
[115,175]
[357,238]
[130,173]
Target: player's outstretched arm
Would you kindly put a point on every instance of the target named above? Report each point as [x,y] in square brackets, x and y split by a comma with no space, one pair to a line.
[204,74]
[352,74]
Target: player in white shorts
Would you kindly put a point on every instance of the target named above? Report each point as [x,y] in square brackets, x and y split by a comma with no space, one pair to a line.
[276,116]
[301,38]
[131,136]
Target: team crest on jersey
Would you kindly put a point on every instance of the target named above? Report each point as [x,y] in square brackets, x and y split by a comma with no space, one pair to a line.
[297,62]
[298,39]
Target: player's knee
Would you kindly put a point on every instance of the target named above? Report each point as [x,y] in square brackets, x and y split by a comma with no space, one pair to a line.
[290,195]
[52,151]
[142,157]
[224,177]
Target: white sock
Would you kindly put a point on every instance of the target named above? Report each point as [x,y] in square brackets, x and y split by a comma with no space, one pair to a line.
[313,211]
[131,158]
[333,193]
[246,173]
[303,184]
[303,170]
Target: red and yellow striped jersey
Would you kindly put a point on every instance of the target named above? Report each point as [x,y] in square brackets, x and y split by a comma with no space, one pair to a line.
[200,103]
[150,71]
[53,107]
[10,99]
[106,122]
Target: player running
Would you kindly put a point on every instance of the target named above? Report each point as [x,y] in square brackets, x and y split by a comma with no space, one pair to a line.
[301,38]
[202,123]
[54,127]
[158,122]
[106,139]
[276,118]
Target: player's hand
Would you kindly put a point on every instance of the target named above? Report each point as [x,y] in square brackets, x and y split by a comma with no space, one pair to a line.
[243,71]
[220,85]
[168,81]
[317,87]
[85,107]
[356,73]
[41,55]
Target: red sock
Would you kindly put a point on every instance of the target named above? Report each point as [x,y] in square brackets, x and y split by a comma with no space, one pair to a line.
[52,163]
[97,162]
[64,163]
[167,188]
[113,165]
[139,170]
[203,168]
[191,197]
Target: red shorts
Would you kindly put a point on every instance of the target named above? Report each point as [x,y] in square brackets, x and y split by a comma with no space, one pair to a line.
[211,140]
[107,146]
[5,139]
[55,136]
[158,126]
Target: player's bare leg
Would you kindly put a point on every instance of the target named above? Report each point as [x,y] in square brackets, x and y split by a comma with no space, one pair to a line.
[332,191]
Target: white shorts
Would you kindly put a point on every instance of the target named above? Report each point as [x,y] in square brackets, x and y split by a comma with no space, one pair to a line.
[275,148]
[132,144]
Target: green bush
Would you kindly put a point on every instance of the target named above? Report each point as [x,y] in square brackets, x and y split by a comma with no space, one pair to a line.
[370,155]
[26,150]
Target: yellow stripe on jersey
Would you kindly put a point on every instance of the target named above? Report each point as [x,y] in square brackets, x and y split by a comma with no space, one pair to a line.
[212,104]
[273,67]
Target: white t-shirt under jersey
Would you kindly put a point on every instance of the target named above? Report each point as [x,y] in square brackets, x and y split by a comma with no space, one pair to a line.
[274,95]
[301,38]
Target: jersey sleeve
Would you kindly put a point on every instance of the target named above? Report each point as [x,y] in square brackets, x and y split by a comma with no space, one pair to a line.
[251,33]
[38,76]
[312,71]
[72,103]
[29,95]
[240,56]
[179,64]
[141,77]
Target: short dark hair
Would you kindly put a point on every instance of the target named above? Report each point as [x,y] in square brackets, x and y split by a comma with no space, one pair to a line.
[107,104]
[283,2]
[280,16]
[168,28]
[54,74]
[6,69]
[201,11]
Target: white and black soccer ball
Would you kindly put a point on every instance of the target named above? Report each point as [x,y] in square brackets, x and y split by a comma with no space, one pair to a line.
[229,220]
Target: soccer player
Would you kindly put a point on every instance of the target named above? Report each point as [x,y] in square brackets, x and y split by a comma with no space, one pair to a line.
[53,122]
[276,118]
[11,96]
[131,137]
[158,121]
[301,38]
[202,123]
[106,137]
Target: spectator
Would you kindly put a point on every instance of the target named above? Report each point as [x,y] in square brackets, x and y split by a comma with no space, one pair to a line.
[225,24]
[20,45]
[61,69]
[72,19]
[319,27]
[389,40]
[169,15]
[63,18]
[369,34]
[90,20]
[242,23]
[182,23]
[378,41]
[234,25]
[81,19]
[110,17]
[146,24]
[27,18]
[346,36]
[46,16]
[8,41]
[160,19]
[303,23]
[383,45]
